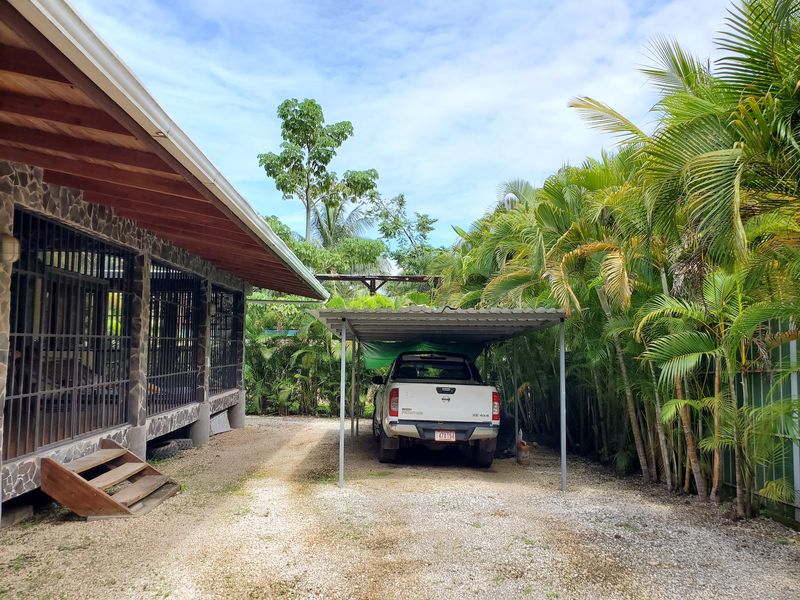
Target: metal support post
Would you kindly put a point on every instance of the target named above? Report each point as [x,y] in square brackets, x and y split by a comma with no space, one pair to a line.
[353,345]
[793,388]
[562,377]
[342,400]
[514,385]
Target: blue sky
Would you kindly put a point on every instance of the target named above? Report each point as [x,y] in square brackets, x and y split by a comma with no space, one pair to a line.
[448,99]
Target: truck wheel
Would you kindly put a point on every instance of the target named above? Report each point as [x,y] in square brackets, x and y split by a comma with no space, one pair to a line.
[482,456]
[385,454]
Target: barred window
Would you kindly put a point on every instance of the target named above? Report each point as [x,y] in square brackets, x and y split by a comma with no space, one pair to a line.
[226,341]
[69,346]
[175,313]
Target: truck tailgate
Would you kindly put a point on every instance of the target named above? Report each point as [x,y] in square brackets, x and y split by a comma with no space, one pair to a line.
[445,402]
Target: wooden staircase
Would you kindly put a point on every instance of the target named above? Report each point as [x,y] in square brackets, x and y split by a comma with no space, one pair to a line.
[111,482]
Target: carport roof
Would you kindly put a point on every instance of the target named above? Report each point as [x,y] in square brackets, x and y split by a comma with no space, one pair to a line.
[424,324]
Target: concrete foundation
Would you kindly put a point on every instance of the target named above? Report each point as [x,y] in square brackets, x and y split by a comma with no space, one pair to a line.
[200,430]
[137,441]
[236,412]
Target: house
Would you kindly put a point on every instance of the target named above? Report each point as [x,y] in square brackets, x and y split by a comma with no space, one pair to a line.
[126,256]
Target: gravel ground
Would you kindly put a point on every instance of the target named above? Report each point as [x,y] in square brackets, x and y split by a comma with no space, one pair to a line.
[260,516]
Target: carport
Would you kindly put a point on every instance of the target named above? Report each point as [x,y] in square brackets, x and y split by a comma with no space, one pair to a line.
[441,327]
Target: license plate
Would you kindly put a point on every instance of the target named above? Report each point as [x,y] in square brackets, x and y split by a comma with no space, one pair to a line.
[444,436]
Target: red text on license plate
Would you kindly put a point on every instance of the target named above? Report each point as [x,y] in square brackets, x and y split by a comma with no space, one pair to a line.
[444,436]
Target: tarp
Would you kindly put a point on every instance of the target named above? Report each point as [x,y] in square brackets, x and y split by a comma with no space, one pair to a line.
[381,354]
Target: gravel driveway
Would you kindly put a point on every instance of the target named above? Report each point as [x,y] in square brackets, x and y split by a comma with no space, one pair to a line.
[260,516]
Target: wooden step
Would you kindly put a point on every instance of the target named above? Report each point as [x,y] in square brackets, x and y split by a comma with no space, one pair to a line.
[100,457]
[139,489]
[117,475]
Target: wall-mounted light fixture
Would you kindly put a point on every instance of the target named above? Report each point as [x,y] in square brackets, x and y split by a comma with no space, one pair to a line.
[9,249]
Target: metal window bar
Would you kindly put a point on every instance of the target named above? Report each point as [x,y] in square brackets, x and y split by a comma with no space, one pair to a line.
[69,344]
[173,338]
[225,341]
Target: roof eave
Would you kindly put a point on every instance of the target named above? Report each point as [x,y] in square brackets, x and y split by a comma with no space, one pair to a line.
[59,22]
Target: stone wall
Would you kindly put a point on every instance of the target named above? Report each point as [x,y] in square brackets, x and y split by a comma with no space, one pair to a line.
[67,205]
[164,423]
[224,400]
[22,475]
[23,186]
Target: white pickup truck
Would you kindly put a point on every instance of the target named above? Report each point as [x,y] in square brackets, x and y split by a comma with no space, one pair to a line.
[435,399]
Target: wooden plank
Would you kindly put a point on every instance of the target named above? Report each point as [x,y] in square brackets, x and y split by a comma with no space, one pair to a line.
[27,62]
[59,112]
[139,489]
[36,138]
[156,206]
[117,475]
[128,192]
[74,492]
[137,179]
[100,457]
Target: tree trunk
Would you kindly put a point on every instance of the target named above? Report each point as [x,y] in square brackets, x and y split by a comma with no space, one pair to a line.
[308,222]
[691,449]
[715,470]
[629,402]
[662,438]
[631,408]
[742,508]
[601,418]
[650,446]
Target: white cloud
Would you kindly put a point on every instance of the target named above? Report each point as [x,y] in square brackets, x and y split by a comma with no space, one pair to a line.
[447,99]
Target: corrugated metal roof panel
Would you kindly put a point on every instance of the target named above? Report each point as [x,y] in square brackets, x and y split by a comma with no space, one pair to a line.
[435,325]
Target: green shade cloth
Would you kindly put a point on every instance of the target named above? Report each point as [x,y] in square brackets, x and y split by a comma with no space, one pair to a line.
[381,354]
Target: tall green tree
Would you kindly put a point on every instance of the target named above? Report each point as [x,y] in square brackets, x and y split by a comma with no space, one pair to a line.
[301,169]
[409,235]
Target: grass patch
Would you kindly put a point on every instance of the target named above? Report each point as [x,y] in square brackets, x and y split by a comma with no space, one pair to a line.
[20,562]
[530,542]
[322,476]
[627,526]
[786,541]
[236,487]
[378,474]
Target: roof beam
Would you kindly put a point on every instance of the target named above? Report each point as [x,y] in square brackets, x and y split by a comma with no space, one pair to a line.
[164,223]
[116,190]
[54,57]
[28,63]
[204,213]
[81,147]
[59,112]
[153,182]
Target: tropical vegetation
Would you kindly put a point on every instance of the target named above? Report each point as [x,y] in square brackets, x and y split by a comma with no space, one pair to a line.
[677,259]
[675,256]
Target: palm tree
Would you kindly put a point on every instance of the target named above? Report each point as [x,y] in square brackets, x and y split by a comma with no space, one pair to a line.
[333,223]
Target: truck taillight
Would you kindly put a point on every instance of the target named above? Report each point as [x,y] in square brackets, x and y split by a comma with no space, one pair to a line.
[394,402]
[495,406]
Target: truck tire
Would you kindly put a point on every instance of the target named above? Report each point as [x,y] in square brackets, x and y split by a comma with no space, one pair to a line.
[385,454]
[482,456]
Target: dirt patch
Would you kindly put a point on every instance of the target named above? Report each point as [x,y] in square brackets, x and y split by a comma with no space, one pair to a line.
[260,516]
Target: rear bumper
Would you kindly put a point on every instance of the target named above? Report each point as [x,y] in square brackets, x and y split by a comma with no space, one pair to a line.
[424,430]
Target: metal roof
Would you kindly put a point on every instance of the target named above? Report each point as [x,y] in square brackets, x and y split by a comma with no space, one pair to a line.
[438,325]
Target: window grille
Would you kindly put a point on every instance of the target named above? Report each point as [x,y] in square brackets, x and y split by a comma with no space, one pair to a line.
[175,313]
[226,341]
[69,346]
